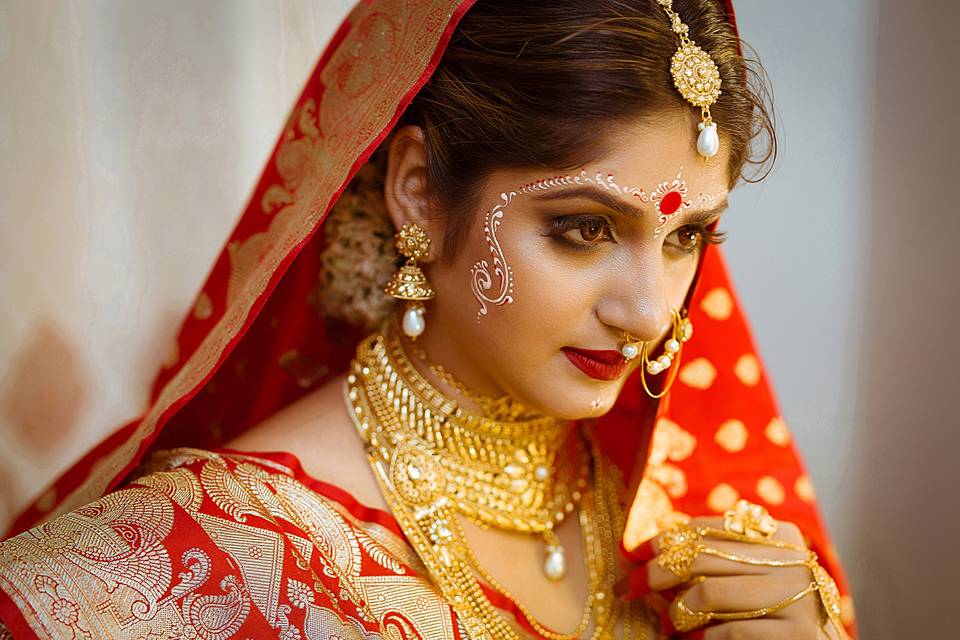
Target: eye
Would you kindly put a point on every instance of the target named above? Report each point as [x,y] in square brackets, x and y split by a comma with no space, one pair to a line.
[581,232]
[692,237]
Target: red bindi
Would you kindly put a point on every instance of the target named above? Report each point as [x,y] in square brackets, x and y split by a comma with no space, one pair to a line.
[670,203]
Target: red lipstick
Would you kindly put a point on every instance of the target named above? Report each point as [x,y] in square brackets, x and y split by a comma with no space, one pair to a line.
[601,365]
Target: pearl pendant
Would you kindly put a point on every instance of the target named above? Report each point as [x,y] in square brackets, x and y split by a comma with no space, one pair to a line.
[413,322]
[629,351]
[555,565]
[708,142]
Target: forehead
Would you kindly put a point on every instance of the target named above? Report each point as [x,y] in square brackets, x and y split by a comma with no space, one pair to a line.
[651,150]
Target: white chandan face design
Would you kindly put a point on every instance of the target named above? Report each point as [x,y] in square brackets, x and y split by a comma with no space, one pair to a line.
[562,266]
[668,197]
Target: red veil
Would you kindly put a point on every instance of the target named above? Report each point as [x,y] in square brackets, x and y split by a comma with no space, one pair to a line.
[253,341]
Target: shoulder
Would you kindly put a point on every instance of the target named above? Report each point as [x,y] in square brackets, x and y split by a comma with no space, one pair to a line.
[319,431]
[201,531]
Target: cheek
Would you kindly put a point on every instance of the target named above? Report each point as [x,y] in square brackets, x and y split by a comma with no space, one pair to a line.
[550,290]
[536,299]
[679,279]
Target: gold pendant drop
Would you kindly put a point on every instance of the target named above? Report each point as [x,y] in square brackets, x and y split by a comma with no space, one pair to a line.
[555,563]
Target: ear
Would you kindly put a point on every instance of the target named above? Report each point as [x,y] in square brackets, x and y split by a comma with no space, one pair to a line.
[406,186]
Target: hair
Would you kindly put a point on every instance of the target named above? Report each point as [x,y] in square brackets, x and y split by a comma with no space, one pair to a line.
[529,84]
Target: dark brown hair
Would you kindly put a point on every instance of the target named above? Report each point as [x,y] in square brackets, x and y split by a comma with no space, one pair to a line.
[530,83]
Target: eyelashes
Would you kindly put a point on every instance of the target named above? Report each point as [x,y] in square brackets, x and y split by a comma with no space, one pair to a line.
[588,232]
[581,232]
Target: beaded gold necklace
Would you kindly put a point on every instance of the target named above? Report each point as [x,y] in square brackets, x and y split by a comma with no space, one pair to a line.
[435,461]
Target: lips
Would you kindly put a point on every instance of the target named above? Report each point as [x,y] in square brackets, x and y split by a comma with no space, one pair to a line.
[600,365]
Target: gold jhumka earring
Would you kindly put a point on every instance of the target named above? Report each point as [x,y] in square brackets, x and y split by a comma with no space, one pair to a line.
[682,332]
[410,283]
[697,78]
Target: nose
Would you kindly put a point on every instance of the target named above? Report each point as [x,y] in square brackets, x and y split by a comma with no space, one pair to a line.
[637,304]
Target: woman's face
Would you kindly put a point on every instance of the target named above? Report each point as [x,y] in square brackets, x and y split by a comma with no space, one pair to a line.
[557,265]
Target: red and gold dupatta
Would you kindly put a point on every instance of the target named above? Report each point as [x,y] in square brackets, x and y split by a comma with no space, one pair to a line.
[253,342]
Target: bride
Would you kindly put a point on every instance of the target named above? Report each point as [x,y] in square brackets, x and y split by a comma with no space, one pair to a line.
[470,364]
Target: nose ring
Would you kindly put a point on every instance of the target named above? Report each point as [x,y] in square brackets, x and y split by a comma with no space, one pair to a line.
[682,331]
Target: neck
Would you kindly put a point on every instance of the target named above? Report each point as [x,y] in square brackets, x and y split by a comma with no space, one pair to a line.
[448,378]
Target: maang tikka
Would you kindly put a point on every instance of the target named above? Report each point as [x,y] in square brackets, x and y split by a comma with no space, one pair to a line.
[410,283]
[697,78]
[672,348]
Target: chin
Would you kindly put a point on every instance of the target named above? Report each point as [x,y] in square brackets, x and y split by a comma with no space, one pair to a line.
[574,399]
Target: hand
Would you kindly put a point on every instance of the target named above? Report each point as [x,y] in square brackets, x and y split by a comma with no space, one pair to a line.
[721,573]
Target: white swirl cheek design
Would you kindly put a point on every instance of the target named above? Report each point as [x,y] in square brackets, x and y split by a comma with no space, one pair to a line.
[491,279]
[481,280]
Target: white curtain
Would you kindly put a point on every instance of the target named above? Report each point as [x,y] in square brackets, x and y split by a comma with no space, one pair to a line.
[131,134]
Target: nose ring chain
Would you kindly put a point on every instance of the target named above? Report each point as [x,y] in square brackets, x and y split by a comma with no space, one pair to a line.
[682,331]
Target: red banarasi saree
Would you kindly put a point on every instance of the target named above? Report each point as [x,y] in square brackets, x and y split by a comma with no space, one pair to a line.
[157,533]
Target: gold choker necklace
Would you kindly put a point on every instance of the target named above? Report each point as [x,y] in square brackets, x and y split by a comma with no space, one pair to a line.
[523,475]
[435,461]
[505,407]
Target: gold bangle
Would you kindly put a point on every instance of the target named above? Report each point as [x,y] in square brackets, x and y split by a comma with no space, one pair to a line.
[686,619]
[829,598]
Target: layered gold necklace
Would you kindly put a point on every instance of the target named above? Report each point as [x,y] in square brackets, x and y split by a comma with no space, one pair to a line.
[436,461]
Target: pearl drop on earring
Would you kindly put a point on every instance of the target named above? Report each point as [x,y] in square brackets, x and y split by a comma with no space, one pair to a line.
[414,323]
[629,351]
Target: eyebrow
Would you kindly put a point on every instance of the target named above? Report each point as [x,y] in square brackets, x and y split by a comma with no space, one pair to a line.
[620,206]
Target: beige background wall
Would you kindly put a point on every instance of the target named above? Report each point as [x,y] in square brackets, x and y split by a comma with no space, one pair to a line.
[131,134]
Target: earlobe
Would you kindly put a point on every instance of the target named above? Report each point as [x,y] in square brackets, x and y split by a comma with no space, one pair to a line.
[406,187]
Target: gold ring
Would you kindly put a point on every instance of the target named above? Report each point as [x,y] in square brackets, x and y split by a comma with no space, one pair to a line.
[750,521]
[679,547]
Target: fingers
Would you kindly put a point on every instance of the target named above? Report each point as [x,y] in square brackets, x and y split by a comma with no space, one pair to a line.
[786,531]
[741,593]
[760,629]
[723,558]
